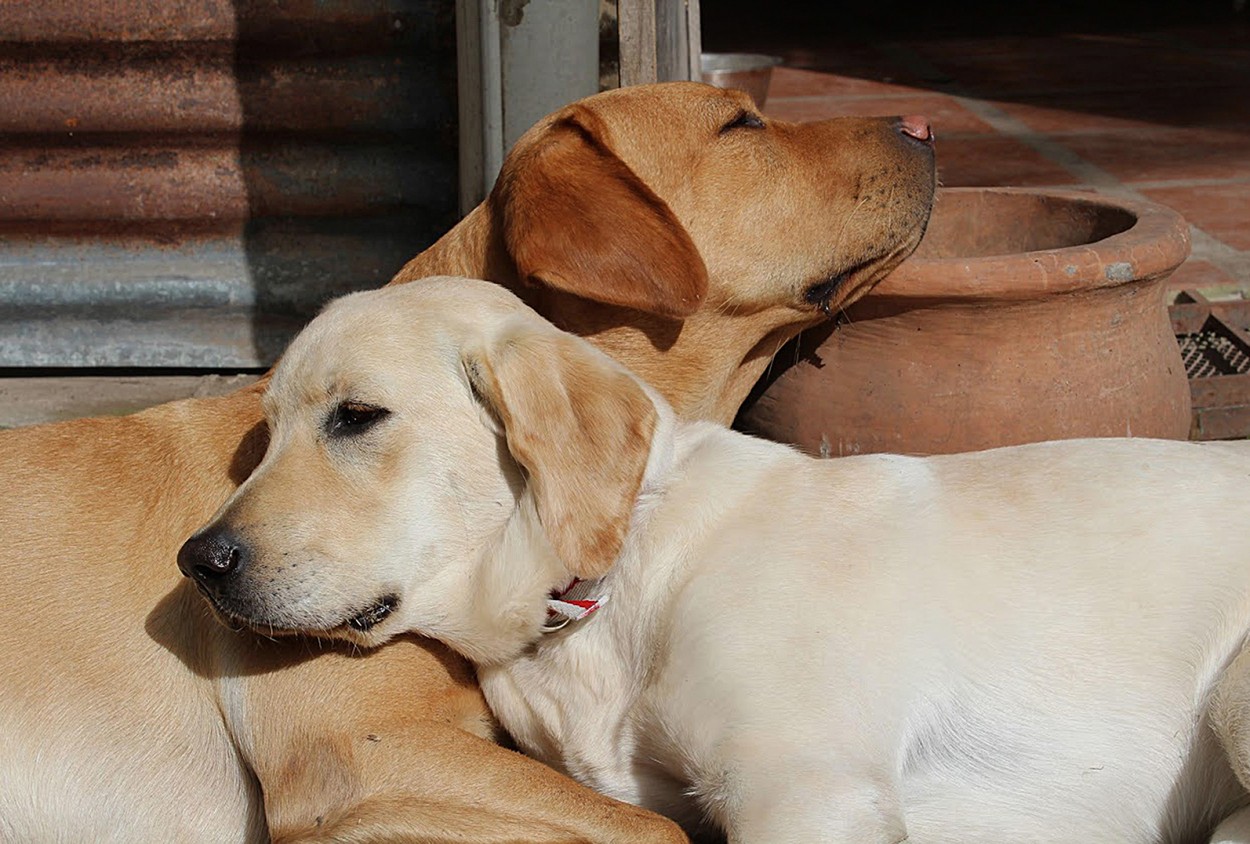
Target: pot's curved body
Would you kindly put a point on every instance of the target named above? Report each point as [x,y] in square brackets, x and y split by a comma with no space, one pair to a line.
[1024,316]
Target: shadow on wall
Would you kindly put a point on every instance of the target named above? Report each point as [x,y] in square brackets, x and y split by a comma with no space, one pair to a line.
[184,183]
[347,149]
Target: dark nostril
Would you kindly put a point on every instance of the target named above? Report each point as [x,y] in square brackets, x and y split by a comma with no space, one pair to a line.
[916,126]
[210,555]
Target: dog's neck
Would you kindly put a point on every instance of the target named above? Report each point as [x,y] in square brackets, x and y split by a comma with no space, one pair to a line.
[473,248]
[711,364]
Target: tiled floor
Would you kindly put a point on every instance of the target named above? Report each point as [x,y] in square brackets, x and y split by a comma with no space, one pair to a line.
[1162,114]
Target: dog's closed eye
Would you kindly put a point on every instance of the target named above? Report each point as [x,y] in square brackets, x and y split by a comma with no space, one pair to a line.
[743,120]
[352,418]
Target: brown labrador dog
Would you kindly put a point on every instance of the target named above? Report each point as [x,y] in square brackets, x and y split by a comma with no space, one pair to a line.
[674,227]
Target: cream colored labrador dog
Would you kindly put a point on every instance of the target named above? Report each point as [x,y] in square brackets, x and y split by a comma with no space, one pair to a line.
[1025,644]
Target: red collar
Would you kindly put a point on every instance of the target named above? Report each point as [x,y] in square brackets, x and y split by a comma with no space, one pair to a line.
[572,603]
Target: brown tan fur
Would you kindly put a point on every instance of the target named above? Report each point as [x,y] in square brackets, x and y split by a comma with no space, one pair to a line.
[129,713]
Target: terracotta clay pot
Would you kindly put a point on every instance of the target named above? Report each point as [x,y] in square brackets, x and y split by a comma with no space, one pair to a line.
[1024,315]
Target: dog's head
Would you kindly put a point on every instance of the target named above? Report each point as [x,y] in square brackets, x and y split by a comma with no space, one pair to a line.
[704,227]
[410,427]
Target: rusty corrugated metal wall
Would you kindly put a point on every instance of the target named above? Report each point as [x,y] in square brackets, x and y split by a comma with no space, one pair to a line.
[184,182]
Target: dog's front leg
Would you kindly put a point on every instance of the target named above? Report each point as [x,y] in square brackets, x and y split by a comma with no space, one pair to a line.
[381,747]
[435,783]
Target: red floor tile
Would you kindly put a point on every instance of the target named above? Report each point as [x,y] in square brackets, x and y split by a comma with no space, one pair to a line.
[995,160]
[1225,107]
[1222,211]
[1200,275]
[944,113]
[1155,154]
[1007,66]
[796,82]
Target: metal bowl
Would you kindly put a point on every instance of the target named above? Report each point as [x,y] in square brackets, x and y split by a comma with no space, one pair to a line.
[750,72]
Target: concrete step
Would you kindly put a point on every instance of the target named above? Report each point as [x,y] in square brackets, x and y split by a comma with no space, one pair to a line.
[30,400]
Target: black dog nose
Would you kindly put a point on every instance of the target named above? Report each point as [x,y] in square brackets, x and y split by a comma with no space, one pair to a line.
[210,555]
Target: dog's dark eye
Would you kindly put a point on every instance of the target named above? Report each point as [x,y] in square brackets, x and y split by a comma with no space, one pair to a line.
[350,418]
[743,120]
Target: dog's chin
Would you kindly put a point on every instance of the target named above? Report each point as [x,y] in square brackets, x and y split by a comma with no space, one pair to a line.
[832,294]
[368,626]
[365,627]
[237,621]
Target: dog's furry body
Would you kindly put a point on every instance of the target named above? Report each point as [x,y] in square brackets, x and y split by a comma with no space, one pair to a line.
[1022,644]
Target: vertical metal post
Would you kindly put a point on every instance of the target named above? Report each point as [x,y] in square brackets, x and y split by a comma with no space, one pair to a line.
[550,52]
[518,60]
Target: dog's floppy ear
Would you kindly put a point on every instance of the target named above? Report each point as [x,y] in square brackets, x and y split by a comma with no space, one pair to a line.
[576,218]
[581,428]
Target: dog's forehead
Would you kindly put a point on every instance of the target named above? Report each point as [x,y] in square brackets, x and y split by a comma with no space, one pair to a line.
[686,114]
[631,118]
[354,349]
[374,345]
[664,102]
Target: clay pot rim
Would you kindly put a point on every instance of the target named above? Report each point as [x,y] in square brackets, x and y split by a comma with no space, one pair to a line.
[1155,245]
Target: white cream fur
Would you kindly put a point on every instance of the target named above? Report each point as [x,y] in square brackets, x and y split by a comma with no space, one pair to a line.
[1016,645]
